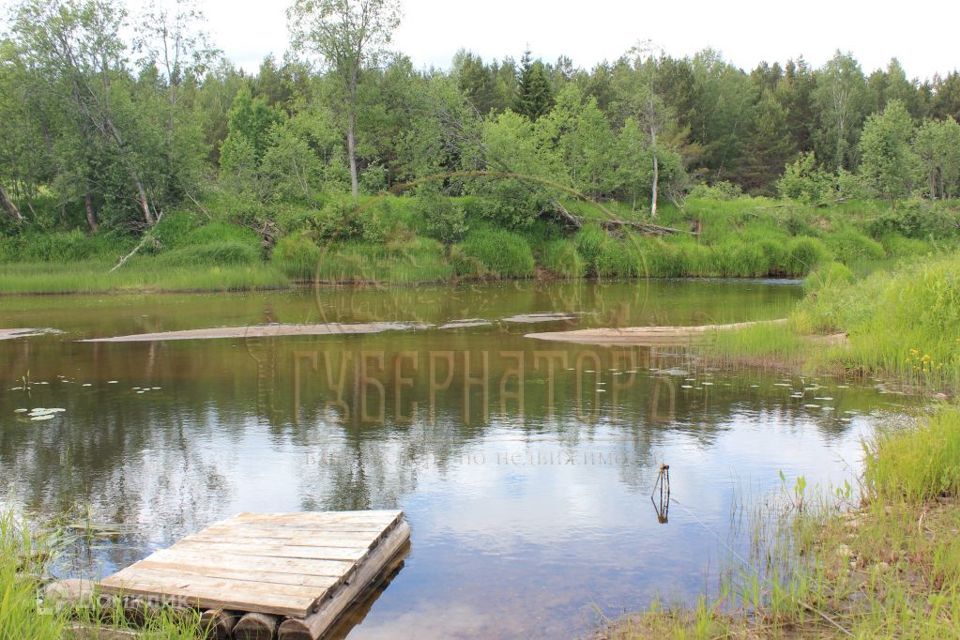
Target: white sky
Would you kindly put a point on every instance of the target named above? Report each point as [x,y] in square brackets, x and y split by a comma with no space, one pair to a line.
[922,34]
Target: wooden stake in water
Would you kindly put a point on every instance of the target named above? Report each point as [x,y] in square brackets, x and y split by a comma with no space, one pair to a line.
[661,494]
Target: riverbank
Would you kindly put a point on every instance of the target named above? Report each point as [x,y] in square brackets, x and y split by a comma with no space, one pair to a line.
[394,240]
[889,568]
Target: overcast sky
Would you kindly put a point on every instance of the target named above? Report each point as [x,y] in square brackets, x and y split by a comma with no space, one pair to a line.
[922,34]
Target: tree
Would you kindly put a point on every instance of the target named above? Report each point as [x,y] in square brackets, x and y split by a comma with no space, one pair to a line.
[579,132]
[477,82]
[77,44]
[887,162]
[840,98]
[175,53]
[795,93]
[803,180]
[937,145]
[770,146]
[534,93]
[946,97]
[348,36]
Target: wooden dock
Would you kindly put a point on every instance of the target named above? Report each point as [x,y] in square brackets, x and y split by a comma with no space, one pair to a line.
[288,576]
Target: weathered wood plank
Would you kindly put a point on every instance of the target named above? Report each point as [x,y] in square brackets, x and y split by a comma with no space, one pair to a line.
[213,593]
[257,548]
[384,518]
[350,540]
[321,583]
[297,566]
[316,624]
[248,530]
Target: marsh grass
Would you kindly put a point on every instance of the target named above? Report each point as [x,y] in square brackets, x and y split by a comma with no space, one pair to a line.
[26,554]
[144,274]
[818,569]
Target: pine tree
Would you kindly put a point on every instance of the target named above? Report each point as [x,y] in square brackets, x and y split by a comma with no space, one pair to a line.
[534,94]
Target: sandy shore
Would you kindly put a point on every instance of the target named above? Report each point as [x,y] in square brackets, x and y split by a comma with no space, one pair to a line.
[13,334]
[266,331]
[643,335]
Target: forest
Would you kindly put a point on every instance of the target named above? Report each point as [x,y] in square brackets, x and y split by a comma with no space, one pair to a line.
[344,151]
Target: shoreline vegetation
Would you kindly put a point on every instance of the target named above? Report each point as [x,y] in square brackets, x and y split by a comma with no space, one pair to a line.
[391,244]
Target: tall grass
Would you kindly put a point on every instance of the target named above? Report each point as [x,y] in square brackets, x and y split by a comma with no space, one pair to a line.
[916,464]
[502,253]
[144,274]
[420,260]
[22,567]
[24,557]
[905,322]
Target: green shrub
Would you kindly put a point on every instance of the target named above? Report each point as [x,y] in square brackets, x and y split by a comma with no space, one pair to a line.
[69,246]
[466,266]
[214,232]
[419,260]
[619,259]
[832,274]
[226,252]
[805,254]
[501,252]
[738,259]
[338,220]
[589,243]
[694,259]
[172,231]
[899,246]
[297,256]
[849,246]
[560,258]
[444,219]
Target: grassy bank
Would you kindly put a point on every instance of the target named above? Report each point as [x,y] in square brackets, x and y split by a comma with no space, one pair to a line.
[900,323]
[405,240]
[887,569]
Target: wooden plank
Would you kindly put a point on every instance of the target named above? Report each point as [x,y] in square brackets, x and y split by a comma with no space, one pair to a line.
[276,550]
[318,583]
[213,593]
[297,566]
[382,518]
[293,528]
[351,540]
[315,625]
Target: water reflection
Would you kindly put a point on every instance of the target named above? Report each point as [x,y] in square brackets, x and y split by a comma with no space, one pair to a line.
[525,469]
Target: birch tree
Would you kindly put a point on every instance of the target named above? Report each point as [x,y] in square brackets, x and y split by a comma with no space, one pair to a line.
[347,36]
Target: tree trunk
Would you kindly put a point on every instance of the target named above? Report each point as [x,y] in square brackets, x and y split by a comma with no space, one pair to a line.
[10,205]
[352,152]
[655,187]
[91,214]
[144,203]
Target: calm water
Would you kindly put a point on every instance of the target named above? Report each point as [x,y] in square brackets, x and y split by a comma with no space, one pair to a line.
[525,467]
